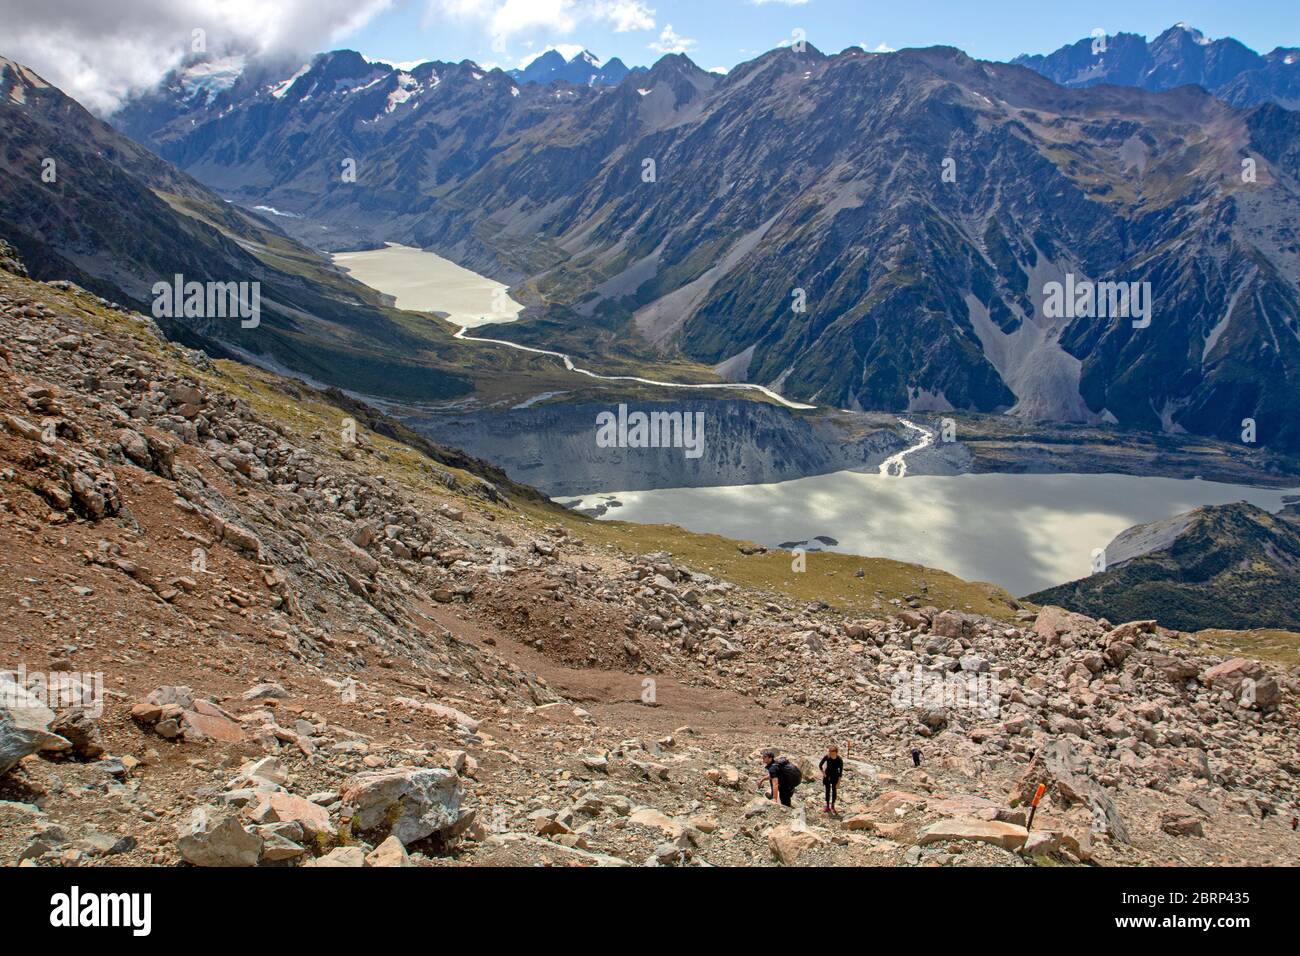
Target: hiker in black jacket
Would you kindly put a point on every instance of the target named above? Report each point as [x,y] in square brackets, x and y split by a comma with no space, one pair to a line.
[832,768]
[783,776]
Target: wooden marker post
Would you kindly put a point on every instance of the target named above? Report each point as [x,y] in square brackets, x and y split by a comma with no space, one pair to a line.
[1033,805]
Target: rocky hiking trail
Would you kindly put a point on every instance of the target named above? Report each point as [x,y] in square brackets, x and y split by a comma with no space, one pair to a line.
[319,652]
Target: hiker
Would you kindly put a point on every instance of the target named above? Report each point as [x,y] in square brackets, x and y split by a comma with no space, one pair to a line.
[832,768]
[916,757]
[783,775]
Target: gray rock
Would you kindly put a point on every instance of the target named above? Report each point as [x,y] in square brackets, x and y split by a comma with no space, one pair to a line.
[409,803]
[24,725]
[213,837]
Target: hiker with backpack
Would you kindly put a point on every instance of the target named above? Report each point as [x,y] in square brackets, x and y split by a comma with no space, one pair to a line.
[783,776]
[832,768]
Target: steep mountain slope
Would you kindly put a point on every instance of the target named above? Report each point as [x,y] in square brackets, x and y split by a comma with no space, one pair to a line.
[1230,566]
[283,144]
[682,213]
[1178,57]
[312,652]
[115,218]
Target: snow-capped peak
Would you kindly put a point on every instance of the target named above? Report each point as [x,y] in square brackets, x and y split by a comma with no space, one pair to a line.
[279,89]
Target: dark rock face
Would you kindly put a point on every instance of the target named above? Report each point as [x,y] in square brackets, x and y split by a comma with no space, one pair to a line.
[1180,56]
[858,231]
[555,448]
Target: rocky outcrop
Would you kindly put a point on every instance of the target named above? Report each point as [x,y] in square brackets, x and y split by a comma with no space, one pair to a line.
[24,724]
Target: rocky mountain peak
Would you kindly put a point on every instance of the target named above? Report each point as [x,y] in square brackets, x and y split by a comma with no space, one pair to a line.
[1179,56]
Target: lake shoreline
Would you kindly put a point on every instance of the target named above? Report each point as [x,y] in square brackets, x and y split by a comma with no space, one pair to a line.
[1025,533]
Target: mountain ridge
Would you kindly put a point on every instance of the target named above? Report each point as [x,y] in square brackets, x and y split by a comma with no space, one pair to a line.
[800,170]
[1225,566]
[1180,56]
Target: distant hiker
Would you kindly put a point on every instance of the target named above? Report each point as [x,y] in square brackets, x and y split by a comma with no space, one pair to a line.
[832,768]
[783,776]
[916,757]
[1295,822]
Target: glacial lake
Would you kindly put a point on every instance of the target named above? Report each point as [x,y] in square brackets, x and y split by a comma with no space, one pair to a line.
[1023,532]
[424,282]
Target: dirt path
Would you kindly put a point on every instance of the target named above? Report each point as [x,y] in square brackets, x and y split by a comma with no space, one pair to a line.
[614,698]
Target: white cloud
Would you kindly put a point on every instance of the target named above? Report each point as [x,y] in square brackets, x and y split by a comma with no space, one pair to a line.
[670,42]
[507,18]
[625,16]
[405,65]
[101,53]
[881,48]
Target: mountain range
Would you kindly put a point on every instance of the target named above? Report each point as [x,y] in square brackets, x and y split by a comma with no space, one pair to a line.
[583,69]
[1180,56]
[918,207]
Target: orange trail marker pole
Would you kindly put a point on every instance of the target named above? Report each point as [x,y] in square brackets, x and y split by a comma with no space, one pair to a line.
[1033,806]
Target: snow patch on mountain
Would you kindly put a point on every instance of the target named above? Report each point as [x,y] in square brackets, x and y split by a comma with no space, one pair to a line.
[279,89]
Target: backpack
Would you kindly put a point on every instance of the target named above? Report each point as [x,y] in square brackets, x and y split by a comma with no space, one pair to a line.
[790,775]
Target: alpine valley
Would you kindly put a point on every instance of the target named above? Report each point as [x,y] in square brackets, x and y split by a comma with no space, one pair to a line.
[597,427]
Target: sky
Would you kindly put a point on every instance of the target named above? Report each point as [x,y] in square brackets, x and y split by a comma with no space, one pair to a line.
[102,52]
[722,33]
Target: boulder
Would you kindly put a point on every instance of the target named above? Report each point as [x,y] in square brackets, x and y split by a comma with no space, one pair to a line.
[24,725]
[1245,680]
[1042,843]
[277,847]
[1009,836]
[79,729]
[650,817]
[286,808]
[725,776]
[212,837]
[406,802]
[1181,824]
[950,624]
[789,841]
[390,853]
[174,711]
[135,447]
[450,714]
[1176,670]
[1054,623]
[1064,771]
[894,804]
[341,856]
